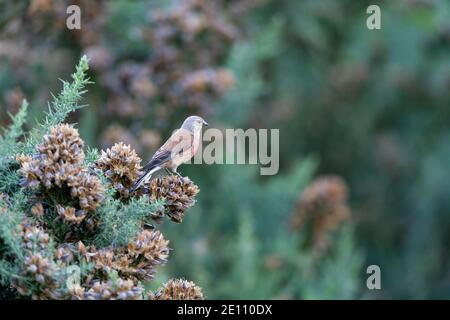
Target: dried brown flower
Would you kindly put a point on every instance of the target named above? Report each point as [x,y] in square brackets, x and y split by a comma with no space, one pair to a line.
[324,204]
[70,214]
[33,236]
[65,253]
[62,145]
[136,261]
[37,266]
[178,289]
[113,290]
[149,246]
[121,166]
[177,192]
[129,264]
[59,157]
[37,210]
[58,166]
[87,188]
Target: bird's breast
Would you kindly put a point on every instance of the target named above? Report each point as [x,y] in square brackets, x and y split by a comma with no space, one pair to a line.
[196,143]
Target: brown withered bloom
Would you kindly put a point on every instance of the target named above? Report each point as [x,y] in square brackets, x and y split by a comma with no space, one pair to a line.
[178,289]
[65,253]
[323,204]
[43,271]
[70,214]
[102,259]
[38,210]
[58,158]
[149,246]
[87,188]
[31,171]
[40,268]
[130,264]
[121,165]
[58,164]
[114,290]
[34,237]
[136,261]
[62,144]
[177,192]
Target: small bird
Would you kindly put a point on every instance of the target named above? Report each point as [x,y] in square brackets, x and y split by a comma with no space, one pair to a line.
[179,148]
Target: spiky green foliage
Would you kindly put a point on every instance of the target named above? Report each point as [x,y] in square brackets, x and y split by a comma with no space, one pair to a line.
[121,221]
[92,155]
[10,242]
[62,105]
[9,143]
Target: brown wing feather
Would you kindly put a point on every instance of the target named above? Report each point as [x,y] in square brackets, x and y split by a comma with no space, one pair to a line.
[178,142]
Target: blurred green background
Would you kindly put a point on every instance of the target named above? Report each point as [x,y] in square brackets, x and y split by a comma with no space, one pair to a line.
[371,106]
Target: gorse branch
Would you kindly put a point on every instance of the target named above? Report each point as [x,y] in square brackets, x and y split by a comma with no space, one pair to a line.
[18,120]
[9,143]
[121,222]
[62,104]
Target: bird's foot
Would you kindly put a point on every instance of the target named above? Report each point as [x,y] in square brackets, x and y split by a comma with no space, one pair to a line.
[171,172]
[179,175]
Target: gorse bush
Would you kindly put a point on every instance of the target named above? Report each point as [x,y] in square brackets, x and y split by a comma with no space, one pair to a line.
[64,211]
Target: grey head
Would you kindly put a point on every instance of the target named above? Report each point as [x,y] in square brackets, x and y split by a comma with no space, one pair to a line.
[193,123]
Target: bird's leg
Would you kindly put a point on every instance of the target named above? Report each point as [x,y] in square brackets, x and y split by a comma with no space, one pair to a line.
[179,175]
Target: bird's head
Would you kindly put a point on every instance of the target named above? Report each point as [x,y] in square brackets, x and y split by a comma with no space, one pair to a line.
[193,124]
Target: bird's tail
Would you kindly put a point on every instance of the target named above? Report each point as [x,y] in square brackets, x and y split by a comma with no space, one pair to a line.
[145,177]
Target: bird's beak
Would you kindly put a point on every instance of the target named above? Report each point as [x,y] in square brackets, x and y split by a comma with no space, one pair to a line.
[205,123]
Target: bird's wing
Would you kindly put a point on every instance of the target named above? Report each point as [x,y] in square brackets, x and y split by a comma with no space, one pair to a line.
[181,140]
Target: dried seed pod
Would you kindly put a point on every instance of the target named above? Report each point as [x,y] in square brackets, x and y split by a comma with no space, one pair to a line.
[40,275]
[62,144]
[178,289]
[87,188]
[114,290]
[70,214]
[150,246]
[121,166]
[38,210]
[177,192]
[65,253]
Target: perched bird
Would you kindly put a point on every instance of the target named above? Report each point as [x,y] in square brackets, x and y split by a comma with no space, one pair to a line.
[179,148]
